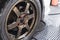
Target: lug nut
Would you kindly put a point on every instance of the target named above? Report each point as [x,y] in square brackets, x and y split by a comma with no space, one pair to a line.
[18,23]
[19,17]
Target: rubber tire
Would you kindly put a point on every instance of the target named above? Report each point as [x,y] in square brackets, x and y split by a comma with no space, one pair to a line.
[5,11]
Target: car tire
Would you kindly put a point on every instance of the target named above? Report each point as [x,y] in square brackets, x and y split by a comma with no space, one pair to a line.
[6,14]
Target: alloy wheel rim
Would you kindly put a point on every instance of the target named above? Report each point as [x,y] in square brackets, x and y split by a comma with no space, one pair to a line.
[21,20]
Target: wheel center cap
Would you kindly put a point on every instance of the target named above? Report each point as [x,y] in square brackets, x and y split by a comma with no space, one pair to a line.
[22,20]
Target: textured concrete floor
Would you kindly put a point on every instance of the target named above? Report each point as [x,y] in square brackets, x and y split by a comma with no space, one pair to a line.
[52,28]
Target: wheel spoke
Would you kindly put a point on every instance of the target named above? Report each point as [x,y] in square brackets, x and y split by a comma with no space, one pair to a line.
[30,16]
[12,25]
[16,10]
[27,26]
[19,31]
[27,7]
